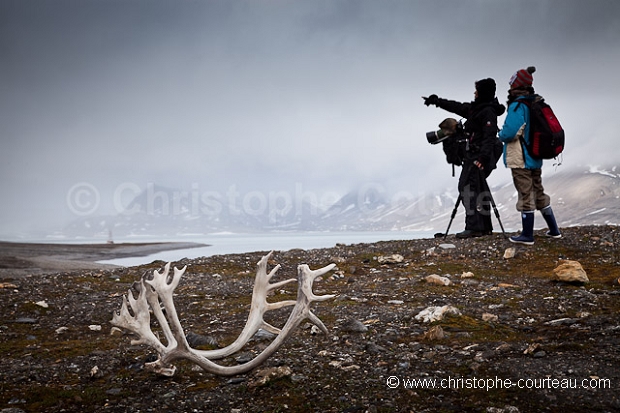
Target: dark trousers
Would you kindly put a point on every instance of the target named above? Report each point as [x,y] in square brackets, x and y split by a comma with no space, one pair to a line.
[476,199]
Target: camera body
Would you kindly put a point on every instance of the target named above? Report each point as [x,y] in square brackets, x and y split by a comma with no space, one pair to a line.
[454,140]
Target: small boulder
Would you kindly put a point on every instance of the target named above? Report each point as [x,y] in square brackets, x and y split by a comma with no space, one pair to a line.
[354,326]
[570,272]
[434,333]
[510,253]
[437,279]
[488,317]
[392,259]
[268,375]
[431,314]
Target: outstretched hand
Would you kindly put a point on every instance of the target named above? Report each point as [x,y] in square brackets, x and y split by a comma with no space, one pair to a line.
[431,100]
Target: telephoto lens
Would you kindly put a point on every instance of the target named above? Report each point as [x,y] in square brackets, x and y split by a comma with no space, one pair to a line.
[447,127]
[435,137]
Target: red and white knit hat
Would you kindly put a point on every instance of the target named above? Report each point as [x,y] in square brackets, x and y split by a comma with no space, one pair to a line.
[522,78]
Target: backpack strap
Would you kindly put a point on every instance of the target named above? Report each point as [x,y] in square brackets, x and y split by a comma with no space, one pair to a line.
[527,121]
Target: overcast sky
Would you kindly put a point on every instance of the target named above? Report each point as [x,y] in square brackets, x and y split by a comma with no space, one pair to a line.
[312,95]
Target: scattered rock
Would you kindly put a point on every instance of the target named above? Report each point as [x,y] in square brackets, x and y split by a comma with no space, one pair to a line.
[338,275]
[434,333]
[96,372]
[354,326]
[438,280]
[265,376]
[570,272]
[488,317]
[198,340]
[531,348]
[506,285]
[429,252]
[431,314]
[559,321]
[510,253]
[26,320]
[374,348]
[467,274]
[505,409]
[392,259]
[243,358]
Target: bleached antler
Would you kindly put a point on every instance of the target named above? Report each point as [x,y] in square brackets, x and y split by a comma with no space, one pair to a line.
[161,287]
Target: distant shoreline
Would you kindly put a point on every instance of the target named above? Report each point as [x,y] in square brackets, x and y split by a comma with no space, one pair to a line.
[19,259]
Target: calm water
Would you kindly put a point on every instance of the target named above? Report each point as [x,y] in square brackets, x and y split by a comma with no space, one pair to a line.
[239,243]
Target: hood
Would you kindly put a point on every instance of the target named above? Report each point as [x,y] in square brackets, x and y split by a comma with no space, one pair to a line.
[497,107]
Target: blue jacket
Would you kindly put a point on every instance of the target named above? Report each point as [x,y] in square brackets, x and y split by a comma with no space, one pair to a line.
[518,113]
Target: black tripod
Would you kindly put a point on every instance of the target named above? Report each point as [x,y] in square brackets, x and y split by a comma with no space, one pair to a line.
[485,187]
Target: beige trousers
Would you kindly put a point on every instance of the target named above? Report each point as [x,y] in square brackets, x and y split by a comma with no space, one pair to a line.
[528,183]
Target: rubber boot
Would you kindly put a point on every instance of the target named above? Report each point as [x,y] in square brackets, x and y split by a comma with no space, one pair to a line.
[527,234]
[554,231]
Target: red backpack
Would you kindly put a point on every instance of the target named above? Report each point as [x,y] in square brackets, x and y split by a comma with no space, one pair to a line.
[546,134]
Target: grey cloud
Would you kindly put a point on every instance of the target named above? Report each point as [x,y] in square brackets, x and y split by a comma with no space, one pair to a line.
[272,93]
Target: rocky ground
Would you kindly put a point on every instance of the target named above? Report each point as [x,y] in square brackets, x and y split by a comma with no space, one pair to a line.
[515,340]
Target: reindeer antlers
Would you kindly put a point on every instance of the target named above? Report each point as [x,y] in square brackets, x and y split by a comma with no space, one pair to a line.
[157,292]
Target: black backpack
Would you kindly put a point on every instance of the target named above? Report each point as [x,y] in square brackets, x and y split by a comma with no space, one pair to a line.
[454,148]
[546,134]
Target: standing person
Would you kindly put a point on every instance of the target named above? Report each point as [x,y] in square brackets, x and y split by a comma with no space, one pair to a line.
[482,152]
[526,170]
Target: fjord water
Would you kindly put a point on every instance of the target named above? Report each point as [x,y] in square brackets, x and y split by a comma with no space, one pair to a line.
[229,243]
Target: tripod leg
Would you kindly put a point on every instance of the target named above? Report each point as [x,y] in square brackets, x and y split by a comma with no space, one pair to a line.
[456,207]
[487,189]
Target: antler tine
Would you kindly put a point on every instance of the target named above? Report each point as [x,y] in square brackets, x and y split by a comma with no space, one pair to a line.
[139,322]
[306,281]
[258,308]
[165,290]
[161,282]
[153,299]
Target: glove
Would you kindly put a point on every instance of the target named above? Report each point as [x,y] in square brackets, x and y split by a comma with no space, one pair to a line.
[431,100]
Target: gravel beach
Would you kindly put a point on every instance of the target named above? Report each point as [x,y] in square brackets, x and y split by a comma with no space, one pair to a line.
[19,259]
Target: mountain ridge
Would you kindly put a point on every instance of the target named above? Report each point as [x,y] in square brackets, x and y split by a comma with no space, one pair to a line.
[581,196]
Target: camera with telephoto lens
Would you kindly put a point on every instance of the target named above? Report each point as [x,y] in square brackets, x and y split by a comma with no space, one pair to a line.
[453,140]
[447,128]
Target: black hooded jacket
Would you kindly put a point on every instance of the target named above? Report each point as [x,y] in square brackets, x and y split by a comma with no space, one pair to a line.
[481,129]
